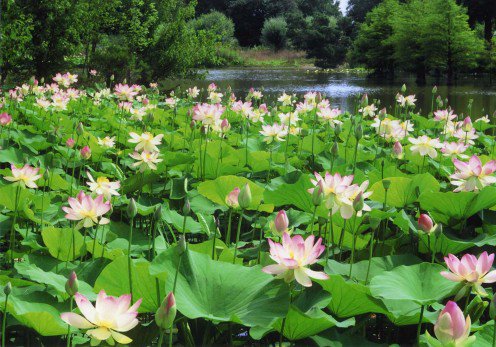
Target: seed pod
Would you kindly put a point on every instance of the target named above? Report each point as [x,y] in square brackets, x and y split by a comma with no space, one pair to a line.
[386,184]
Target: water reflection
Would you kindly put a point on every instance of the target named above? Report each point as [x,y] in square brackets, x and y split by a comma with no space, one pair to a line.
[344,89]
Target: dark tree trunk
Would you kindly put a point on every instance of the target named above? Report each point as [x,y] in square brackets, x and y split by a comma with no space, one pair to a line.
[488,28]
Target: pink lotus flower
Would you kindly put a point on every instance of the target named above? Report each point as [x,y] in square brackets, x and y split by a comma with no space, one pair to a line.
[452,328]
[275,132]
[193,92]
[146,141]
[292,258]
[444,115]
[86,210]
[398,150]
[93,72]
[473,176]
[208,114]
[212,87]
[232,198]
[25,175]
[110,317]
[333,186]
[145,160]
[125,92]
[424,145]
[454,149]
[467,124]
[86,152]
[5,119]
[471,270]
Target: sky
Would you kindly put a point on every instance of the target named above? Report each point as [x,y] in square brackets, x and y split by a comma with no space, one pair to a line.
[342,5]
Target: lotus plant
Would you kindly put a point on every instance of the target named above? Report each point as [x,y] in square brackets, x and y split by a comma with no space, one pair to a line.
[107,320]
[472,175]
[26,176]
[293,256]
[86,210]
[470,270]
[102,186]
[452,328]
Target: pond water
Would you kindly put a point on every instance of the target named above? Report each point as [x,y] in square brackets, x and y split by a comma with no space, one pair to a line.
[344,89]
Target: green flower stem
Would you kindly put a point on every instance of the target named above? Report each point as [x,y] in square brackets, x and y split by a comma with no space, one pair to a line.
[352,259]
[371,252]
[129,270]
[341,238]
[229,224]
[12,229]
[205,154]
[161,338]
[312,221]
[246,143]
[281,335]
[419,326]
[4,319]
[71,300]
[313,135]
[355,156]
[238,232]
[72,158]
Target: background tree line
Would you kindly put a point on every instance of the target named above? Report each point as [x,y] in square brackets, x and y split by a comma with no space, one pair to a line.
[152,39]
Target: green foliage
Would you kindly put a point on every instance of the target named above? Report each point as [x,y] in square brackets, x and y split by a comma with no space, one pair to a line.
[274,33]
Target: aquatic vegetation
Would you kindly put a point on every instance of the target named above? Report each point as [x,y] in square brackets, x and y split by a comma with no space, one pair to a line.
[199,217]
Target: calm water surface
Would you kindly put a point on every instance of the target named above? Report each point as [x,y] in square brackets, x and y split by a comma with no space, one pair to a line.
[344,89]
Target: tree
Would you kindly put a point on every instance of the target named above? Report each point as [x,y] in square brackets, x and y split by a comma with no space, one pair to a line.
[357,10]
[450,44]
[372,46]
[482,11]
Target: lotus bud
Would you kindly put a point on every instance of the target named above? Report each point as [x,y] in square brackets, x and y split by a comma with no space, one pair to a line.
[157,214]
[232,198]
[335,149]
[42,80]
[132,209]
[70,142]
[244,198]
[225,125]
[434,90]
[398,150]
[358,202]
[451,326]
[150,117]
[8,288]
[425,223]
[112,77]
[337,129]
[181,244]
[166,313]
[186,207]
[145,101]
[80,129]
[281,222]
[86,152]
[467,124]
[386,184]
[46,174]
[192,124]
[72,284]
[365,100]
[318,194]
[382,113]
[358,132]
[403,88]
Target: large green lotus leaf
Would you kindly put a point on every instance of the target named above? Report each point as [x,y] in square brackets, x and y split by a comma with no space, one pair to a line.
[114,279]
[8,197]
[295,194]
[449,208]
[484,337]
[11,155]
[60,242]
[445,243]
[403,190]
[220,291]
[218,189]
[300,325]
[35,310]
[138,181]
[51,279]
[350,298]
[377,266]
[420,283]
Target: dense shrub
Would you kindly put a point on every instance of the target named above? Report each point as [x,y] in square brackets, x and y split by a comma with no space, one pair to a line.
[274,33]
